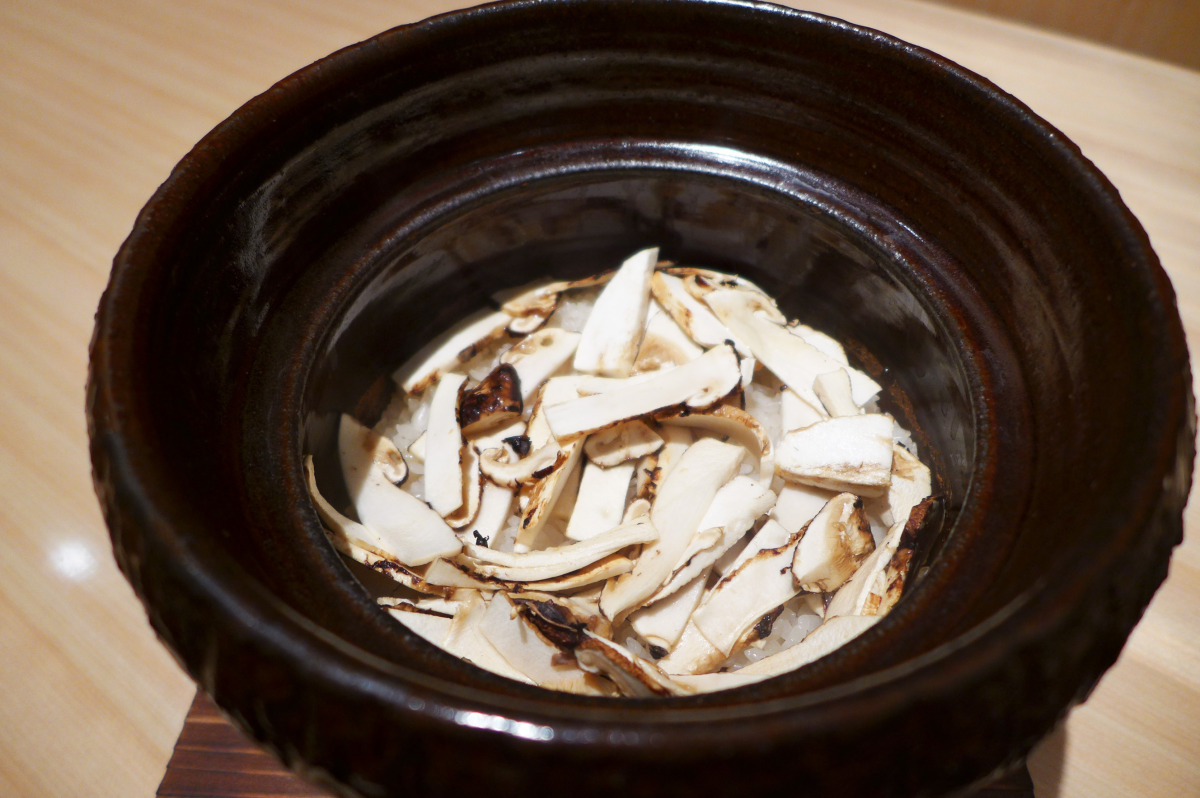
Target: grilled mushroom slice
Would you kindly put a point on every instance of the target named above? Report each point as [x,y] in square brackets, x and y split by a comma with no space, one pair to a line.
[451,349]
[538,356]
[429,624]
[835,543]
[634,676]
[496,400]
[834,391]
[911,482]
[699,384]
[496,466]
[792,359]
[444,448]
[735,423]
[520,644]
[664,344]
[662,623]
[613,331]
[465,639]
[403,526]
[600,502]
[553,562]
[830,635]
[616,445]
[678,509]
[692,315]
[851,453]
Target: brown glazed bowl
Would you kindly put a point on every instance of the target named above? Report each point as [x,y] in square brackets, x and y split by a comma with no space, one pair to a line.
[977,264]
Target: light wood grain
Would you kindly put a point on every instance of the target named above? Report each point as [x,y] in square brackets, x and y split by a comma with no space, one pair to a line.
[100,100]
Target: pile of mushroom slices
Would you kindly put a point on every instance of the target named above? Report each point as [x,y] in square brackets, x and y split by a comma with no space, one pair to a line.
[686,493]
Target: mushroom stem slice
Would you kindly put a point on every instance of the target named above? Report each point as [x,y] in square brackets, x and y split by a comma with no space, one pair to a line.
[496,400]
[699,384]
[547,563]
[466,640]
[681,503]
[692,654]
[692,315]
[613,331]
[623,442]
[472,486]
[634,676]
[735,423]
[795,413]
[519,642]
[733,511]
[600,502]
[833,389]
[451,349]
[849,453]
[433,626]
[444,448]
[835,543]
[911,483]
[664,344]
[792,359]
[829,636]
[539,356]
[534,466]
[662,623]
[402,526]
[538,499]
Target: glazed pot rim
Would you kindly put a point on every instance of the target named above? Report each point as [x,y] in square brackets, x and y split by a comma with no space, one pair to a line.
[252,612]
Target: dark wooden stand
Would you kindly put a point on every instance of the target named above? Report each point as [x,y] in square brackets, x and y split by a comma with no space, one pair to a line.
[213,759]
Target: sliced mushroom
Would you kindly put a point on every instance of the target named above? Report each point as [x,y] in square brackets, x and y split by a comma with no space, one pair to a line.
[451,349]
[472,488]
[553,562]
[495,401]
[624,442]
[416,449]
[835,543]
[433,626]
[792,359]
[664,344]
[519,642]
[682,500]
[402,526]
[833,389]
[538,499]
[662,623]
[911,483]
[819,340]
[692,654]
[712,682]
[692,315]
[850,453]
[444,448]
[466,640]
[600,502]
[634,676]
[357,444]
[463,572]
[733,511]
[735,423]
[539,356]
[829,636]
[496,467]
[796,413]
[798,504]
[701,282]
[771,535]
[614,328]
[735,604]
[699,384]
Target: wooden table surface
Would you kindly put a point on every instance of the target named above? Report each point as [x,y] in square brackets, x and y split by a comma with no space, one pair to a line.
[98,100]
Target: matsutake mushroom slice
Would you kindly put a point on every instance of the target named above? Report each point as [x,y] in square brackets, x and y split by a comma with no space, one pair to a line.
[633,676]
[539,356]
[739,601]
[403,527]
[798,504]
[600,501]
[553,562]
[523,647]
[732,422]
[692,654]
[849,453]
[834,391]
[361,543]
[682,500]
[701,282]
[662,623]
[876,586]
[359,446]
[832,634]
[444,448]
[789,357]
[496,467]
[613,331]
[699,384]
[834,544]
[495,401]
[472,487]
[911,483]
[692,315]
[795,413]
[465,639]
[732,512]
[461,572]
[627,441]
[664,344]
[451,349]
[429,624]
